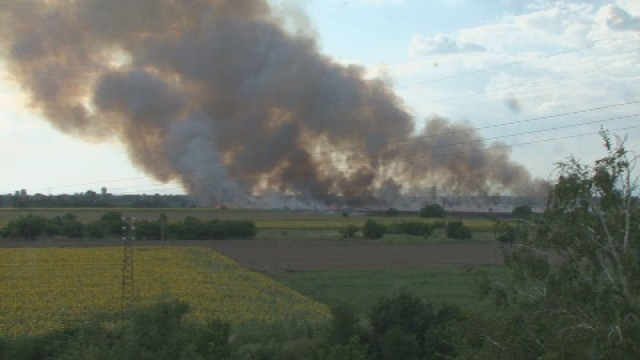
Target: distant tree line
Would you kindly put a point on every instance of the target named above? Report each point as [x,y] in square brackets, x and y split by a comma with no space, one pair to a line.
[454,229]
[92,199]
[112,225]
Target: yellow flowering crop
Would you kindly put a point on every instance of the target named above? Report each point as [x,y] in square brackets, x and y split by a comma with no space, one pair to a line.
[41,289]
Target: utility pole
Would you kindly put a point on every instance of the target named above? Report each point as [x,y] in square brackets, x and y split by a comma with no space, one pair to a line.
[127,264]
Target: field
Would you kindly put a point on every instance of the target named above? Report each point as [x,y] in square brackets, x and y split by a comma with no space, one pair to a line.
[450,284]
[44,288]
[265,219]
[52,282]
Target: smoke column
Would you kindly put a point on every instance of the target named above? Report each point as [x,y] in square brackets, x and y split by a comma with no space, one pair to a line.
[226,98]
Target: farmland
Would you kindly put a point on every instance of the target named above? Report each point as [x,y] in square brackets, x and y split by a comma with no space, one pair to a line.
[45,288]
[274,289]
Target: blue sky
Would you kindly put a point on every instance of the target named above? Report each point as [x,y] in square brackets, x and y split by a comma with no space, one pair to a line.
[542,76]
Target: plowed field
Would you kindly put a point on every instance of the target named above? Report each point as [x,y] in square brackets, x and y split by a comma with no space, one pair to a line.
[296,255]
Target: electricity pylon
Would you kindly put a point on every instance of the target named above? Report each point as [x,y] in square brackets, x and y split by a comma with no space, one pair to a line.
[128,288]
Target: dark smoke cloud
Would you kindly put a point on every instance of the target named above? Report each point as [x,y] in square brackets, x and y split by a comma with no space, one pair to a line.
[225,98]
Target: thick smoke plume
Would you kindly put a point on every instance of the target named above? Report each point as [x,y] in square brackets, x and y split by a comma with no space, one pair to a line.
[227,98]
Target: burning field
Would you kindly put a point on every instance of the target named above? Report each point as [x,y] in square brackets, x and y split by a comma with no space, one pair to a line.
[233,99]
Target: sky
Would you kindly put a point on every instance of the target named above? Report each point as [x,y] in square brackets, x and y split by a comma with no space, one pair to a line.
[541,77]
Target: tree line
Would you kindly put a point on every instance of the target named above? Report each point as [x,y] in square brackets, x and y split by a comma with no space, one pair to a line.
[113,225]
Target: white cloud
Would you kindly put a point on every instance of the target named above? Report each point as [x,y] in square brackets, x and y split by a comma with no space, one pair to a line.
[552,58]
[439,44]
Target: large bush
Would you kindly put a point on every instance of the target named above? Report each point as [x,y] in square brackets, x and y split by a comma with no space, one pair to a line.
[373,229]
[432,211]
[155,332]
[28,227]
[417,228]
[192,228]
[403,326]
[457,230]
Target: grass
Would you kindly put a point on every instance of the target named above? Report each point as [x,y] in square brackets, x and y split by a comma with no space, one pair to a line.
[455,285]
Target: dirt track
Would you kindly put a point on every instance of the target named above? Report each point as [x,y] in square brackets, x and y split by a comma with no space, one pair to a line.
[297,255]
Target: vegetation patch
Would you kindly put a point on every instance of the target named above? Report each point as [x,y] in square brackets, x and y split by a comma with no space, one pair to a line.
[45,288]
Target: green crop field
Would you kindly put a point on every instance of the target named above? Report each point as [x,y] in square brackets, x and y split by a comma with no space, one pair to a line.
[454,285]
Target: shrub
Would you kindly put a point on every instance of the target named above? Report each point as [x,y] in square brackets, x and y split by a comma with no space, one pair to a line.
[373,229]
[28,227]
[432,211]
[147,230]
[417,228]
[522,211]
[66,225]
[439,224]
[112,224]
[403,326]
[504,233]
[352,350]
[457,230]
[192,228]
[344,324]
[397,317]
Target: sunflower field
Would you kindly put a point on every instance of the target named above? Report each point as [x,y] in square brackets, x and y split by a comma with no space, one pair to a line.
[44,289]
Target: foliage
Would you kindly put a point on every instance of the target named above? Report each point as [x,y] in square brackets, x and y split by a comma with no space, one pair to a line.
[344,325]
[403,326]
[522,211]
[112,225]
[457,230]
[148,230]
[575,291]
[28,227]
[508,232]
[154,332]
[417,228]
[352,350]
[373,229]
[432,211]
[350,231]
[192,228]
[391,211]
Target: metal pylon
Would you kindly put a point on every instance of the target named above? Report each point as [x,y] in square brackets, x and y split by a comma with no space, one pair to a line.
[128,288]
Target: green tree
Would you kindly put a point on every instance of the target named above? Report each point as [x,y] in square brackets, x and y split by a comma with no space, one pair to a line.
[373,229]
[508,232]
[522,211]
[28,227]
[432,211]
[403,326]
[457,230]
[400,319]
[575,290]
